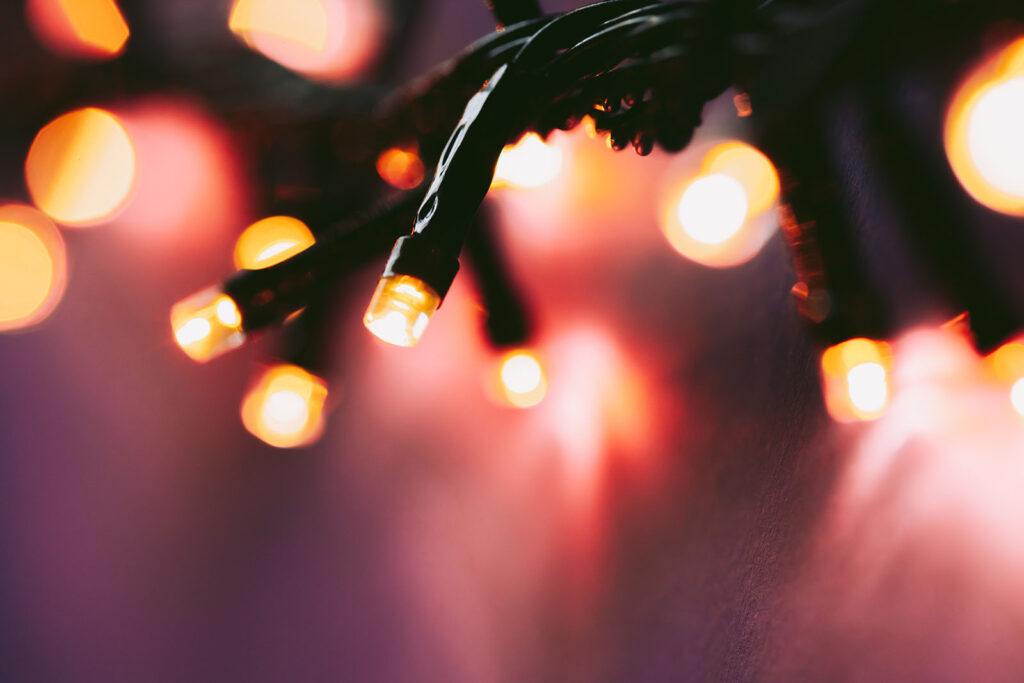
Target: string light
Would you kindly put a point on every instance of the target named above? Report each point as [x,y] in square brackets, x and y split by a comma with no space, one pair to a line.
[207,324]
[285,407]
[984,136]
[80,168]
[400,168]
[856,375]
[270,241]
[521,379]
[79,28]
[529,163]
[400,310]
[721,215]
[1006,364]
[33,267]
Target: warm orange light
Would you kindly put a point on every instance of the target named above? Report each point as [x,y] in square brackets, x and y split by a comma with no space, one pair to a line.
[521,379]
[857,379]
[285,407]
[324,39]
[1007,365]
[79,28]
[270,241]
[400,168]
[720,215]
[529,163]
[400,310]
[985,135]
[207,324]
[33,269]
[80,169]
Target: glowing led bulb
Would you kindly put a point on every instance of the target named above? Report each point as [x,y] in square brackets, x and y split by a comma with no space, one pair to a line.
[79,28]
[207,324]
[984,134]
[1007,366]
[400,168]
[713,208]
[856,376]
[285,407]
[80,169]
[270,241]
[522,379]
[531,162]
[33,269]
[400,310]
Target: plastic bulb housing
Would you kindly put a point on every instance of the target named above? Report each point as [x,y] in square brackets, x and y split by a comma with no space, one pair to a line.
[285,407]
[207,324]
[400,309]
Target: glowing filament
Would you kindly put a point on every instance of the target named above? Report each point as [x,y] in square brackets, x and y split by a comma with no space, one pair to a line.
[523,383]
[80,28]
[270,241]
[33,269]
[985,134]
[400,310]
[285,407]
[856,375]
[80,169]
[400,168]
[207,324]
[531,162]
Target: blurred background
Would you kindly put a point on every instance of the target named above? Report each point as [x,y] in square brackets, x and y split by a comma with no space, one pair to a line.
[680,505]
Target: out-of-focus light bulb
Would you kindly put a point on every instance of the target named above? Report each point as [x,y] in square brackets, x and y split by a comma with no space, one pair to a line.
[324,39]
[856,376]
[1006,364]
[90,29]
[400,309]
[521,379]
[713,208]
[529,163]
[270,241]
[401,168]
[33,268]
[207,324]
[80,169]
[719,216]
[984,134]
[285,407]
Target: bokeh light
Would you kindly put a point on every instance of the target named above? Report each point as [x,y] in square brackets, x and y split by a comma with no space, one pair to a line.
[285,407]
[207,324]
[89,29]
[528,163]
[721,215]
[33,267]
[327,40]
[401,168]
[985,135]
[1006,365]
[270,241]
[400,310]
[856,376]
[80,169]
[521,379]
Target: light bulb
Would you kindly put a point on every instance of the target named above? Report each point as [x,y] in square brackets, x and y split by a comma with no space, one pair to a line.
[713,208]
[856,376]
[529,163]
[284,408]
[984,136]
[33,267]
[207,324]
[400,168]
[80,168]
[400,309]
[270,241]
[91,29]
[522,379]
[1006,365]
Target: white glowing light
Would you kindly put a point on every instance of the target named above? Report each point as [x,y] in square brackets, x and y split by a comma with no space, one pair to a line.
[521,374]
[275,249]
[713,208]
[285,412]
[529,163]
[227,312]
[392,328]
[1017,396]
[868,387]
[995,136]
[193,331]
